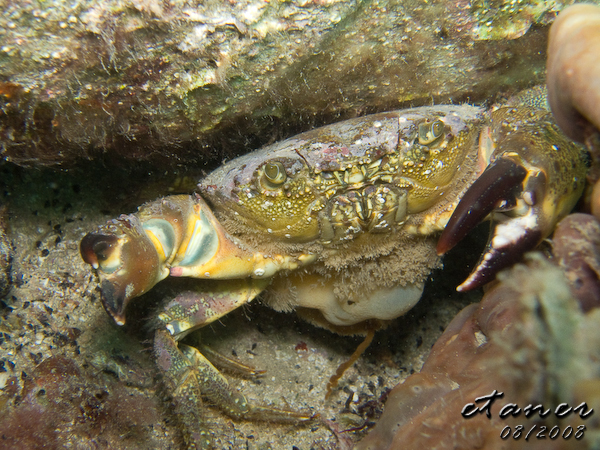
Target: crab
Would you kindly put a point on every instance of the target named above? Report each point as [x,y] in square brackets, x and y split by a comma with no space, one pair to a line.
[342,224]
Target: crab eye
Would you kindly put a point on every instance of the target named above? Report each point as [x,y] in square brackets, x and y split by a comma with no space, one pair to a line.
[274,174]
[430,131]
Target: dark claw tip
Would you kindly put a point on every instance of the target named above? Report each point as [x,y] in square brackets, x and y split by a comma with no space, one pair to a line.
[498,257]
[498,183]
[113,300]
[95,248]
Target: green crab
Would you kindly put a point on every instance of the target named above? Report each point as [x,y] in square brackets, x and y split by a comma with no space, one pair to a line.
[342,224]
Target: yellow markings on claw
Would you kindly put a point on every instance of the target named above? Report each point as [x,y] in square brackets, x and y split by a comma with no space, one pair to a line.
[162,256]
[208,251]
[163,236]
[200,243]
[158,245]
[191,227]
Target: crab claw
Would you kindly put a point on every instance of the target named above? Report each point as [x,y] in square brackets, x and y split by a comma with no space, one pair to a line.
[535,178]
[499,186]
[177,236]
[134,252]
[126,260]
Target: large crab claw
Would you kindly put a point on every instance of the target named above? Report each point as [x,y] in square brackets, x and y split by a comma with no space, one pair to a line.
[535,178]
[177,236]
[126,260]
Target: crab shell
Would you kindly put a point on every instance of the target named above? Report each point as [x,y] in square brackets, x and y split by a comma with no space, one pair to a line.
[397,150]
[342,220]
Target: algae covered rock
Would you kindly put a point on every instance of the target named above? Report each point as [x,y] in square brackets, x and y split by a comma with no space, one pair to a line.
[188,81]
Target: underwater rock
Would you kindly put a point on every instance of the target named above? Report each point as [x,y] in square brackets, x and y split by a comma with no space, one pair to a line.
[576,247]
[143,80]
[574,71]
[6,255]
[63,405]
[574,82]
[527,339]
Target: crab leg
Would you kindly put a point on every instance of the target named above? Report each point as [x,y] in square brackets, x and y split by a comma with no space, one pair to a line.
[535,178]
[179,236]
[193,309]
[183,384]
[189,376]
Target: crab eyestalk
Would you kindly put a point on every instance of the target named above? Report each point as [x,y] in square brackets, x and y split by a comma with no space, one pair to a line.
[177,236]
